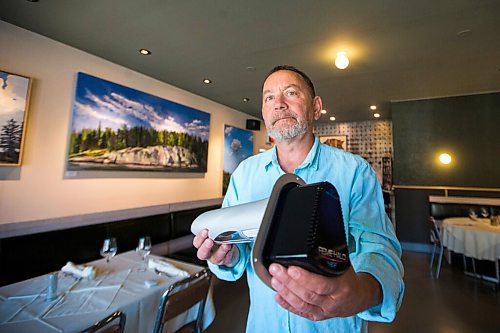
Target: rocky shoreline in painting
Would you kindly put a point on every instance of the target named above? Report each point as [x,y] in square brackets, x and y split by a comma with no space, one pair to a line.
[154,156]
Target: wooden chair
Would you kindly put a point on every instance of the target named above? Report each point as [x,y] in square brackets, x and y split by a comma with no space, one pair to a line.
[114,323]
[436,241]
[180,297]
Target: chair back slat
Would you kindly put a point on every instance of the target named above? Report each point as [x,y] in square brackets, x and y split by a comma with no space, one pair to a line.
[185,299]
[435,233]
[180,297]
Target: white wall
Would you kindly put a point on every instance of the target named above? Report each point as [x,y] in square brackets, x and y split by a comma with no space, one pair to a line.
[39,190]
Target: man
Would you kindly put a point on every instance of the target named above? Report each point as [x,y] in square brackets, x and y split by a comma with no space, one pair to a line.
[372,289]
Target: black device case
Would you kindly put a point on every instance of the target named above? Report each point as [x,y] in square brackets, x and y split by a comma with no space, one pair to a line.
[302,226]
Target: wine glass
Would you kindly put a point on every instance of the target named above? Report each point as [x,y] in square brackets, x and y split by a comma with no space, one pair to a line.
[472,214]
[109,248]
[484,212]
[143,249]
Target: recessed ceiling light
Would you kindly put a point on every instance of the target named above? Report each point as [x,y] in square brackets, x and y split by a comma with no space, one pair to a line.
[373,107]
[207,81]
[250,69]
[341,61]
[323,111]
[376,115]
[144,52]
[246,99]
[332,118]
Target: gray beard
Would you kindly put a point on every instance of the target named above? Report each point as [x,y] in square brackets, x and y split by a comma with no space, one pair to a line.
[288,133]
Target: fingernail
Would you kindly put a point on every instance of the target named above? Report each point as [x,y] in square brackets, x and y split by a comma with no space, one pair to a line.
[273,269]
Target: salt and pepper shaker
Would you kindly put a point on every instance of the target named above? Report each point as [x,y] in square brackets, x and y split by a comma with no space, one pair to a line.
[51,287]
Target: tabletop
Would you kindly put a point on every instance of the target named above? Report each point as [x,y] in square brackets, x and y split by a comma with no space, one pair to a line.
[473,238]
[118,285]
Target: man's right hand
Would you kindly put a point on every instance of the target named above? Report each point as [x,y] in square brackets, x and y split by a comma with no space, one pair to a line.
[221,255]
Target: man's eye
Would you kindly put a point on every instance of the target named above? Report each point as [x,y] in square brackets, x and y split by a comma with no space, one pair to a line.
[268,98]
[291,92]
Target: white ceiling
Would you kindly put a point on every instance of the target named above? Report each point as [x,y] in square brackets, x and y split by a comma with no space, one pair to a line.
[399,50]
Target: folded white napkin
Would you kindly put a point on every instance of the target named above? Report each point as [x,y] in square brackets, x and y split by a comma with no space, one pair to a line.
[80,271]
[166,267]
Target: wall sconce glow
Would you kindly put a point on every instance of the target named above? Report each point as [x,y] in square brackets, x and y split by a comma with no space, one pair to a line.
[332,118]
[376,115]
[373,107]
[445,158]
[341,62]
[323,111]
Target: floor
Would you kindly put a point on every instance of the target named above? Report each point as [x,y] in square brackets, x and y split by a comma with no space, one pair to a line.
[454,303]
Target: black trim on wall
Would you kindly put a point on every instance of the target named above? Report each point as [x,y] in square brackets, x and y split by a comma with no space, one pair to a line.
[413,211]
[26,256]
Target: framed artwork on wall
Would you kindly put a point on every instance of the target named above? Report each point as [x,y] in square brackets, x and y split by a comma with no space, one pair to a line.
[15,92]
[238,145]
[337,141]
[118,128]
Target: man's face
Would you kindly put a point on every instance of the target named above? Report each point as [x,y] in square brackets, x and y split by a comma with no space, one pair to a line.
[288,108]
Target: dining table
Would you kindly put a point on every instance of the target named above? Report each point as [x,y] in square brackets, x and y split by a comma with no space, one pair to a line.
[124,283]
[474,238]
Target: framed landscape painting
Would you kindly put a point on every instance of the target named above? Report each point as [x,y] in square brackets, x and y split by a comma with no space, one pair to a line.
[119,128]
[14,102]
[238,145]
[337,141]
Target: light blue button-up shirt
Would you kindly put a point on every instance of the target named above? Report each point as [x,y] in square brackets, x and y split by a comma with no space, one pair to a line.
[371,239]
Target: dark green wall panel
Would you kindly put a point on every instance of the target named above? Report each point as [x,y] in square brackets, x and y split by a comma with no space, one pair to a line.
[468,127]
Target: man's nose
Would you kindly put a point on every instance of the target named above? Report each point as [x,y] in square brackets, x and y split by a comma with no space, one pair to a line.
[279,102]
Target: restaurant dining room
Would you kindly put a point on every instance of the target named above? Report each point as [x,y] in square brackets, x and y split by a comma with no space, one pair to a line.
[128,127]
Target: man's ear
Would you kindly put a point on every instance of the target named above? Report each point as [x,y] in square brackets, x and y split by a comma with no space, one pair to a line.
[317,107]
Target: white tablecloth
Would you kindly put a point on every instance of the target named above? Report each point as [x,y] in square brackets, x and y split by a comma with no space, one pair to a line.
[476,239]
[118,285]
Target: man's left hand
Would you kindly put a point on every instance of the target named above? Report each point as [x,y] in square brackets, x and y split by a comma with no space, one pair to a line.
[318,297]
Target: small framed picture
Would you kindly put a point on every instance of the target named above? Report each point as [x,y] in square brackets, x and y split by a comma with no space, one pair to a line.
[14,101]
[337,141]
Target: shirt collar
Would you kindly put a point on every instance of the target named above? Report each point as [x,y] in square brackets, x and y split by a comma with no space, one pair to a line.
[311,158]
[310,161]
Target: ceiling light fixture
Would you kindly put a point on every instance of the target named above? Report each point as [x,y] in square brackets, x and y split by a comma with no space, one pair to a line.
[341,62]
[245,99]
[323,111]
[332,118]
[144,52]
[373,107]
[445,158]
[207,81]
[376,115]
